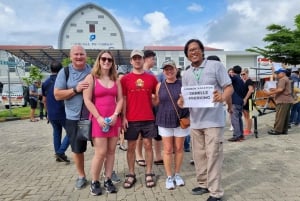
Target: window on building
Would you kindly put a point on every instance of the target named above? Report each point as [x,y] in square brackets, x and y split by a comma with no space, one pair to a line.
[79,30]
[73,24]
[67,36]
[103,28]
[181,61]
[92,28]
[100,16]
[82,13]
[168,58]
[113,34]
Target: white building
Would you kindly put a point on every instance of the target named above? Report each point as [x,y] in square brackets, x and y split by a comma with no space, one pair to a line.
[92,27]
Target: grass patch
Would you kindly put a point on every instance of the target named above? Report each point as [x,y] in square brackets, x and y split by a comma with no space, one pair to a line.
[19,112]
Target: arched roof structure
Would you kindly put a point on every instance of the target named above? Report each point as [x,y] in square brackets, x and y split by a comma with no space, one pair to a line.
[92,27]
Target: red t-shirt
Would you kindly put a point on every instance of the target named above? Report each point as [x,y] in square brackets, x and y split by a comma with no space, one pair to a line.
[138,90]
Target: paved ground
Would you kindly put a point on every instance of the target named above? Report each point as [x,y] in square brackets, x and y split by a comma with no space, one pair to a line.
[262,169]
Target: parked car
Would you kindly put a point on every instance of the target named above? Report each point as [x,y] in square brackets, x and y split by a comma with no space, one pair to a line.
[18,95]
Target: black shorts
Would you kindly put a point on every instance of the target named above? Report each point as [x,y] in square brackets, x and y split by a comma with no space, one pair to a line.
[77,146]
[33,103]
[147,129]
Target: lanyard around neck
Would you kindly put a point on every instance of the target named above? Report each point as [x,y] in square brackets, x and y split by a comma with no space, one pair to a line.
[197,74]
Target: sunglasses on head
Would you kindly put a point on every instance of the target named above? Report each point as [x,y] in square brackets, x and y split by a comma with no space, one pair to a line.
[243,73]
[103,59]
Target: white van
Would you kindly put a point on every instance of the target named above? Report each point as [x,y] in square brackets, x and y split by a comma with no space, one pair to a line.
[18,95]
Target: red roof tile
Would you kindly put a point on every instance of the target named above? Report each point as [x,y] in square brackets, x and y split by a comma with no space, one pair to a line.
[176,48]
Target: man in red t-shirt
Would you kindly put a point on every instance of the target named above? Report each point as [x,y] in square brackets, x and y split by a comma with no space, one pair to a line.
[138,87]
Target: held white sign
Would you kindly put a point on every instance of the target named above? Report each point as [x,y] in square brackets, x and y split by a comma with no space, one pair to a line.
[198,96]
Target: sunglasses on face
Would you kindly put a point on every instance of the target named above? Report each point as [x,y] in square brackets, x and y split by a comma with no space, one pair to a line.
[243,73]
[103,59]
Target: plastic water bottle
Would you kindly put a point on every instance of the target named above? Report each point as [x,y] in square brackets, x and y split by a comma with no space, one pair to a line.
[106,128]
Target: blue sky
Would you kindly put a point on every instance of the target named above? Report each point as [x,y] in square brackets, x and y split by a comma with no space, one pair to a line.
[225,24]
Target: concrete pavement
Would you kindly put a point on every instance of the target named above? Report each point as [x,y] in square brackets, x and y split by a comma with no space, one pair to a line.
[262,169]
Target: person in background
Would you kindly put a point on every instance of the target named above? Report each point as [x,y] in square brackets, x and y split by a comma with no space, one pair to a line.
[33,99]
[237,105]
[103,98]
[295,110]
[167,94]
[207,124]
[149,63]
[249,87]
[138,118]
[283,100]
[69,88]
[56,114]
[122,143]
[41,102]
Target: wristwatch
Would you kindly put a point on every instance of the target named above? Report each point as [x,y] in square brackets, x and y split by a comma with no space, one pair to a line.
[75,91]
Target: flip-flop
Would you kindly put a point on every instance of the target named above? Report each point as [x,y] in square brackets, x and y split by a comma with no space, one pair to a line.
[159,162]
[141,162]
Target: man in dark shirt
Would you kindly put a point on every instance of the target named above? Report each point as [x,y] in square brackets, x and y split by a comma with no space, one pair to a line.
[237,105]
[56,114]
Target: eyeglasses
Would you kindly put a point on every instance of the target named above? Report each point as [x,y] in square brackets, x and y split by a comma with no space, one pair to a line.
[103,59]
[194,50]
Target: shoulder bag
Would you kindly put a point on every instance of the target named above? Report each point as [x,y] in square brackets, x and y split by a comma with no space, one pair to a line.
[84,126]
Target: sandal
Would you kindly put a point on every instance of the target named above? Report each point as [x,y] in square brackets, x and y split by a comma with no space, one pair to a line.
[129,180]
[149,182]
[159,162]
[141,162]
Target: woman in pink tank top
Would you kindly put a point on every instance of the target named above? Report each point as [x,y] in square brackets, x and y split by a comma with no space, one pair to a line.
[104,101]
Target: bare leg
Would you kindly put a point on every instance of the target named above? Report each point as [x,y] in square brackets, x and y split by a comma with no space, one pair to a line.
[168,152]
[79,163]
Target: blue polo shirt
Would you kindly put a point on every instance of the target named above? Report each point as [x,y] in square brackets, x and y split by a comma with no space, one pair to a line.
[55,109]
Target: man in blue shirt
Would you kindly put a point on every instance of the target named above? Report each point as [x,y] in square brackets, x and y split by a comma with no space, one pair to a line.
[56,114]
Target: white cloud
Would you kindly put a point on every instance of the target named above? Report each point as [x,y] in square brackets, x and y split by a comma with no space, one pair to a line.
[244,24]
[159,25]
[194,7]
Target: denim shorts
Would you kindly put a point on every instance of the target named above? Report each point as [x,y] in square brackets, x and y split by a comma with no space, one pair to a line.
[77,146]
[147,129]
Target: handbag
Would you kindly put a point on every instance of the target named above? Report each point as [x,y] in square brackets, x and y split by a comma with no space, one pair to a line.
[84,129]
[184,122]
[84,126]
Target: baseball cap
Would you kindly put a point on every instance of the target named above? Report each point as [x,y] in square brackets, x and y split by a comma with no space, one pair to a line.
[168,63]
[136,52]
[280,70]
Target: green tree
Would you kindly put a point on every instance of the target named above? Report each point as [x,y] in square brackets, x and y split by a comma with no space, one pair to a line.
[283,44]
[34,74]
[66,61]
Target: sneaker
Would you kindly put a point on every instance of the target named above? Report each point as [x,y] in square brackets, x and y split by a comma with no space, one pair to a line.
[170,183]
[247,132]
[213,199]
[62,158]
[199,191]
[95,188]
[114,177]
[231,128]
[236,139]
[178,180]
[80,183]
[109,186]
